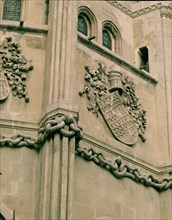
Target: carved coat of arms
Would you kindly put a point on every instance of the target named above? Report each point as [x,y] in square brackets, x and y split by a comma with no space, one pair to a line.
[4,87]
[113,95]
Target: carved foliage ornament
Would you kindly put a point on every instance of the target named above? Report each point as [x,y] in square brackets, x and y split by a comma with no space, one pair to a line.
[113,94]
[14,68]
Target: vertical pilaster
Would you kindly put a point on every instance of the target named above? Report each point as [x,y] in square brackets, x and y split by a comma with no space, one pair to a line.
[60,72]
[57,171]
[167,46]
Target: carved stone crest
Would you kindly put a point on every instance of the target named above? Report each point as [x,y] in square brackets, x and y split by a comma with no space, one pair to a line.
[112,94]
[4,87]
[14,68]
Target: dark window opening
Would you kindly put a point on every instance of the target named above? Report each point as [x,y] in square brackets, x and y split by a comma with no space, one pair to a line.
[12,10]
[2,217]
[107,41]
[46,11]
[82,25]
[144,58]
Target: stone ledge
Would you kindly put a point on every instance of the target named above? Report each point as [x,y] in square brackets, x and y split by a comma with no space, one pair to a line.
[117,59]
[18,125]
[106,147]
[25,27]
[119,169]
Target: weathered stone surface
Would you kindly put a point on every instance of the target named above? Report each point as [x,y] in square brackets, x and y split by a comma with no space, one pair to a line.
[58,178]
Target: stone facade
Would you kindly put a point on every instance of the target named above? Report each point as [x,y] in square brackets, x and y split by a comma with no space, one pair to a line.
[86,129]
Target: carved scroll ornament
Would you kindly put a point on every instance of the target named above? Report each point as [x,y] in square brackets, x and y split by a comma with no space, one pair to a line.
[14,68]
[113,94]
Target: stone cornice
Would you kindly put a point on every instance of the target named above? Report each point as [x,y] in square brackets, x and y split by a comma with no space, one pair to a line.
[146,10]
[136,13]
[117,59]
[166,12]
[121,170]
[120,7]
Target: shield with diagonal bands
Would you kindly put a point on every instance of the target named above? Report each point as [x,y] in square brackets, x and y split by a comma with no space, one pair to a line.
[120,122]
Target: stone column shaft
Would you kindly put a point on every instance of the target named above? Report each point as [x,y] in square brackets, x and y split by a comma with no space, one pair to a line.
[167,45]
[60,73]
[56,185]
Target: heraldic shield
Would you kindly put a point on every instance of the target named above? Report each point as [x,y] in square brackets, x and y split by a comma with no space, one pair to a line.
[4,87]
[118,119]
[112,94]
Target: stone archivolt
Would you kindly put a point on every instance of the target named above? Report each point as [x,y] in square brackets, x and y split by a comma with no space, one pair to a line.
[120,170]
[14,67]
[58,125]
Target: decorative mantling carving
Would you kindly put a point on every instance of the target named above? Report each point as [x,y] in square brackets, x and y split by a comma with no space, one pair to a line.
[52,126]
[14,68]
[166,11]
[120,170]
[113,94]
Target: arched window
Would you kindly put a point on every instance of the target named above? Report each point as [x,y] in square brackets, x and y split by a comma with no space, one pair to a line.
[107,41]
[87,24]
[12,10]
[111,37]
[82,25]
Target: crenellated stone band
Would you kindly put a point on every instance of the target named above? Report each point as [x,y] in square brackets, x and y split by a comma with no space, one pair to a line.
[120,170]
[52,126]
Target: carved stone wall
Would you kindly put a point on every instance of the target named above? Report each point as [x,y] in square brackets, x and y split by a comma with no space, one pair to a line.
[117,165]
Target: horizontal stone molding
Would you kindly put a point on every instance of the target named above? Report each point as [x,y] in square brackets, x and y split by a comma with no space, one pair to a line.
[119,149]
[146,10]
[116,59]
[121,170]
[136,13]
[64,125]
[166,12]
[18,125]
[23,27]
